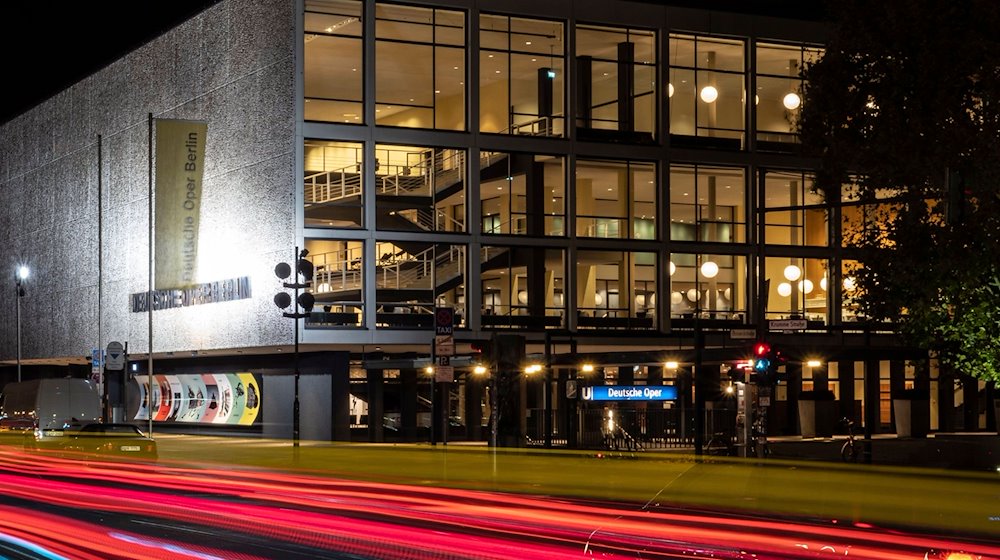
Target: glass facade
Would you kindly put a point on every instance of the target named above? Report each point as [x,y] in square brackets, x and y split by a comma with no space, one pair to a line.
[568,235]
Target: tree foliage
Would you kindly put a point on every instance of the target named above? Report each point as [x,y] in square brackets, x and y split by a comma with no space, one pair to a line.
[904,107]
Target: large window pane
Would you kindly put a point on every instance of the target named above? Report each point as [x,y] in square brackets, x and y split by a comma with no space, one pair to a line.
[778,96]
[615,69]
[412,278]
[523,287]
[795,213]
[616,199]
[419,67]
[337,283]
[707,204]
[707,90]
[797,288]
[708,286]
[522,77]
[334,65]
[522,194]
[333,186]
[615,289]
[420,189]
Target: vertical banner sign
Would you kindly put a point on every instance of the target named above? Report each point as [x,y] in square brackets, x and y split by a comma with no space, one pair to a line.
[180,159]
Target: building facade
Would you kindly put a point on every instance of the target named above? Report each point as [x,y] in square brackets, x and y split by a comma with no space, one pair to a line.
[616,183]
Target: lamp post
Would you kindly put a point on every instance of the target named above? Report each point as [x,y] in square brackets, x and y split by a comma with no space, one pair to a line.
[20,276]
[303,279]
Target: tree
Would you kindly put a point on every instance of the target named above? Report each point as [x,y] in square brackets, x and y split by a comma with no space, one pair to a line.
[903,115]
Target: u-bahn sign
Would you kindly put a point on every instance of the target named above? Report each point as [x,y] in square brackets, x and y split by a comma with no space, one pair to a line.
[629,393]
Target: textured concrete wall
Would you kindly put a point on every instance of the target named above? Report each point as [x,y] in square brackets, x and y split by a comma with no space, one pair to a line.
[232,66]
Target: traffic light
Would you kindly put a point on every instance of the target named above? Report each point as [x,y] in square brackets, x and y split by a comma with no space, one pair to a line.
[761,357]
[764,363]
[481,351]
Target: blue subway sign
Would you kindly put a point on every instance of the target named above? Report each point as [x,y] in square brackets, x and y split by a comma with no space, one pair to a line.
[630,393]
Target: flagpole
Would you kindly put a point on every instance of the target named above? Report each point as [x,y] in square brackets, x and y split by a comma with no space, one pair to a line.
[149,301]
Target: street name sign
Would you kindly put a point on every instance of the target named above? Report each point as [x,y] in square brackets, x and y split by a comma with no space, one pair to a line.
[787,325]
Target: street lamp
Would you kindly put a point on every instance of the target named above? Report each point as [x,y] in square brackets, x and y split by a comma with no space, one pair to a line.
[19,277]
[302,279]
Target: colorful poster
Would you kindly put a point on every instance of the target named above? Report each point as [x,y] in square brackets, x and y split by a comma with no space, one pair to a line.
[141,412]
[252,403]
[176,397]
[201,398]
[211,397]
[161,398]
[239,398]
[225,399]
[195,397]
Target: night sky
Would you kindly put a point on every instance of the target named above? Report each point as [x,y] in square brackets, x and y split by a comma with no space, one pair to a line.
[48,46]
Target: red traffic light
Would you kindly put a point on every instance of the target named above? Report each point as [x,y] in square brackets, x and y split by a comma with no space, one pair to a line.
[761,349]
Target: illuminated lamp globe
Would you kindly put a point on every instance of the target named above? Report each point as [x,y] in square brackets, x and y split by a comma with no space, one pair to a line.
[652,300]
[598,299]
[709,94]
[673,268]
[670,90]
[806,286]
[693,294]
[728,293]
[640,301]
[676,298]
[822,283]
[791,101]
[792,273]
[850,284]
[784,289]
[709,269]
[522,297]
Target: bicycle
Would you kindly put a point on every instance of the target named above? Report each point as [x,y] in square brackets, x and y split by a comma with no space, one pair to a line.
[720,445]
[850,452]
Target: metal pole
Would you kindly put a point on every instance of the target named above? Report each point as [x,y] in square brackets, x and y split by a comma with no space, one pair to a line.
[434,411]
[295,404]
[697,379]
[17,296]
[546,390]
[149,301]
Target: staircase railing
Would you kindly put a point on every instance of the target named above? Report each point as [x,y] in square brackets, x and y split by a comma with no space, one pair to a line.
[329,186]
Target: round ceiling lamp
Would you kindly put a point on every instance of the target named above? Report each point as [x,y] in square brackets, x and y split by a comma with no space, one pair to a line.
[673,268]
[784,289]
[693,294]
[806,286]
[709,94]
[670,90]
[676,298]
[709,269]
[791,101]
[792,273]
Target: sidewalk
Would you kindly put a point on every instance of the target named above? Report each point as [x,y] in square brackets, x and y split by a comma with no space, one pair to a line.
[965,451]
